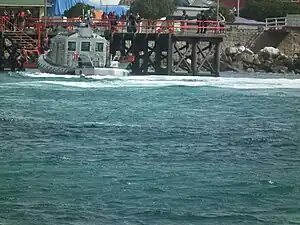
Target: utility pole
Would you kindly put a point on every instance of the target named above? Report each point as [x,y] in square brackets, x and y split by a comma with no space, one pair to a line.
[45,12]
[238,8]
[218,10]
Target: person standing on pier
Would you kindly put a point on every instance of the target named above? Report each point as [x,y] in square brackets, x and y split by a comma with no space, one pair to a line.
[5,19]
[21,20]
[12,21]
[221,23]
[201,23]
[184,19]
[198,22]
[132,25]
[123,20]
[28,18]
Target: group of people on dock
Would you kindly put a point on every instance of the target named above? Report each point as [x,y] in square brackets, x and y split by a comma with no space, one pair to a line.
[18,57]
[203,21]
[16,20]
[134,23]
[114,22]
[131,20]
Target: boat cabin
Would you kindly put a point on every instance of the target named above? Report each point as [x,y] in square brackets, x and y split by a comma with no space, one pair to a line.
[81,49]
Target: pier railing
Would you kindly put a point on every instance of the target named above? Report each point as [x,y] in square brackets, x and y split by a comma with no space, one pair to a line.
[277,23]
[34,29]
[144,26]
[164,26]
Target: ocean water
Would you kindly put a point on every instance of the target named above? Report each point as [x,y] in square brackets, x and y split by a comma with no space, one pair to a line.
[149,150]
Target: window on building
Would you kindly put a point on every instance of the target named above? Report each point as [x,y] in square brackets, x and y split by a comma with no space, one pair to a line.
[85,46]
[99,47]
[71,46]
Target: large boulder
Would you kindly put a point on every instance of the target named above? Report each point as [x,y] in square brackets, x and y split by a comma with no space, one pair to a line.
[256,60]
[231,51]
[290,64]
[6,54]
[271,51]
[248,58]
[268,53]
[296,64]
[241,48]
[268,59]
[7,43]
[238,65]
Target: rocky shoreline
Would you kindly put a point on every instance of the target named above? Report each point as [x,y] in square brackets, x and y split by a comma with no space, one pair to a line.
[268,60]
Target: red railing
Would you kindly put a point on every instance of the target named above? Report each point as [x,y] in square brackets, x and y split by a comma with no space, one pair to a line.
[163,26]
[38,26]
[144,26]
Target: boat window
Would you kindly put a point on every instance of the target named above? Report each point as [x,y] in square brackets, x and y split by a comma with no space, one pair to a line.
[71,46]
[85,46]
[99,47]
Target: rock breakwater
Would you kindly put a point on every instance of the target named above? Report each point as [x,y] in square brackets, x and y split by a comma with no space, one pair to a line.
[269,59]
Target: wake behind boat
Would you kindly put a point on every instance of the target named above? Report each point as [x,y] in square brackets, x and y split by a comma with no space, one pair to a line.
[83,53]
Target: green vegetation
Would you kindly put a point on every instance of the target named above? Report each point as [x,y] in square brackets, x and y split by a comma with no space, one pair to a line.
[153,9]
[77,10]
[261,9]
[229,16]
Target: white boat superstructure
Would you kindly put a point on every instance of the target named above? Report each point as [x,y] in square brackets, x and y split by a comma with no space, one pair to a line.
[83,52]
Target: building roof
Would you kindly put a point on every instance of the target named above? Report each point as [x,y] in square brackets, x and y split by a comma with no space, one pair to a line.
[240,20]
[226,3]
[16,3]
[191,11]
[202,3]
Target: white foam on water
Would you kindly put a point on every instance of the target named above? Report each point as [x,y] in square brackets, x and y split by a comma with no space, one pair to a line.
[157,81]
[46,75]
[161,81]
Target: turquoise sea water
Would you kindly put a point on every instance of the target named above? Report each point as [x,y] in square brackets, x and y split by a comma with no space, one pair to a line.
[149,150]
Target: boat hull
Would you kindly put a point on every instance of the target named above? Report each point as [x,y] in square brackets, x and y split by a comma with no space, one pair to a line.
[45,66]
[99,71]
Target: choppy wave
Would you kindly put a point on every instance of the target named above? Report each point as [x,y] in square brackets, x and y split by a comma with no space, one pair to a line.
[196,155]
[160,81]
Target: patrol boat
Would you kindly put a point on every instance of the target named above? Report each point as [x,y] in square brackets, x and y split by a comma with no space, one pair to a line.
[82,53]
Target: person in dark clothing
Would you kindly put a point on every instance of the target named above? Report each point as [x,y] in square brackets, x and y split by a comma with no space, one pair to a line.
[13,57]
[203,22]
[114,21]
[132,26]
[21,20]
[123,16]
[11,21]
[138,18]
[80,64]
[198,22]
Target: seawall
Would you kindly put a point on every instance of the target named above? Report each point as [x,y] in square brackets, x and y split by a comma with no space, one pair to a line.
[287,41]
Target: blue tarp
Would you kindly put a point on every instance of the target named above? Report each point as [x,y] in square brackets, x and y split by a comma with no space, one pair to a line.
[59,6]
[118,9]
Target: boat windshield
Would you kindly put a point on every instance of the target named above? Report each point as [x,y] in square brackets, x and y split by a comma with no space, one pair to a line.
[85,61]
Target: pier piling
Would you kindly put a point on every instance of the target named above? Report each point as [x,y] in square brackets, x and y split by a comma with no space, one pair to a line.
[174,54]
